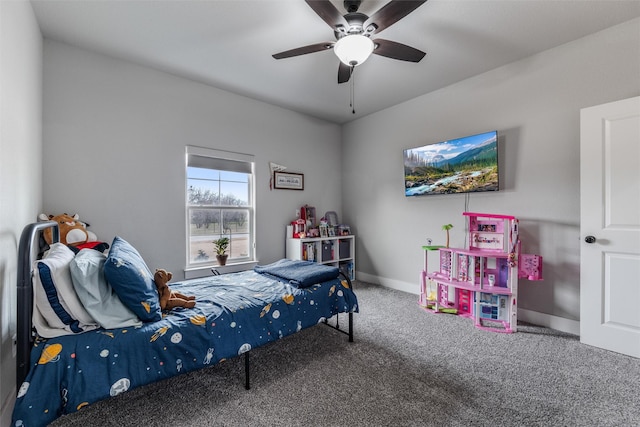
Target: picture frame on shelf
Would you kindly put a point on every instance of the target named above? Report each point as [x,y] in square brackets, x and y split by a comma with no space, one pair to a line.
[344,230]
[324,231]
[332,218]
[332,231]
[288,180]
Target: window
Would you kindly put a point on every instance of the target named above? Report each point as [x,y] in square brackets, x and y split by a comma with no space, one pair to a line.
[220,203]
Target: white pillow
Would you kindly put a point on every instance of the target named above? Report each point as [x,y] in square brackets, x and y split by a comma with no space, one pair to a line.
[58,311]
[97,296]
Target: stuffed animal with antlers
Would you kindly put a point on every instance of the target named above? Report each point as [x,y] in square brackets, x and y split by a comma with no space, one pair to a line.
[72,230]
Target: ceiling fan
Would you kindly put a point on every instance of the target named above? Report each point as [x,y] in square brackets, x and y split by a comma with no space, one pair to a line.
[353,33]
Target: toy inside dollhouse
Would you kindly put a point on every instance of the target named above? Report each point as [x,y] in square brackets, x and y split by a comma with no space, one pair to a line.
[481,282]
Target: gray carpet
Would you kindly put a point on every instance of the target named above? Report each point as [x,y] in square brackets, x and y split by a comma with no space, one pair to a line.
[405,368]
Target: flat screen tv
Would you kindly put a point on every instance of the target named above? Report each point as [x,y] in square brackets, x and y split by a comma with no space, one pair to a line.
[462,165]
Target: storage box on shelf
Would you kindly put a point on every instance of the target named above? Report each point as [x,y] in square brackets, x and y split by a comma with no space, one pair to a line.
[481,282]
[338,251]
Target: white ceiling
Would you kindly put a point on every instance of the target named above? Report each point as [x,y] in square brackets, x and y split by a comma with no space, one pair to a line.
[228,44]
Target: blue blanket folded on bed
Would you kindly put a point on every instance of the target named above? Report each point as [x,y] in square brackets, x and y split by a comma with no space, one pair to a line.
[298,273]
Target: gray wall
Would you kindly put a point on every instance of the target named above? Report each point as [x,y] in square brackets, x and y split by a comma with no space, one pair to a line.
[115,136]
[114,142]
[534,104]
[20,166]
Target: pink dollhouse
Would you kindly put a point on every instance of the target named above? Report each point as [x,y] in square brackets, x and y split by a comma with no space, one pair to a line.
[481,282]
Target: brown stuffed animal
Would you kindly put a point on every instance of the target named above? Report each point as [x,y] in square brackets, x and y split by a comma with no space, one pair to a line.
[168,298]
[72,230]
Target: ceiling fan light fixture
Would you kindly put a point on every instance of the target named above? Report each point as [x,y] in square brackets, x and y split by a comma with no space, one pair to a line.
[353,49]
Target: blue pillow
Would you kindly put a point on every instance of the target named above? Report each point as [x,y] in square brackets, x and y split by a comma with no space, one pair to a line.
[128,274]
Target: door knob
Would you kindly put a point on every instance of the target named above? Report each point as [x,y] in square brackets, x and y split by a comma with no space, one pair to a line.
[590,239]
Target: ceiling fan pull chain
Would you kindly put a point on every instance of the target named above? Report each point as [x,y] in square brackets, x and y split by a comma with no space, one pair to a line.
[352,104]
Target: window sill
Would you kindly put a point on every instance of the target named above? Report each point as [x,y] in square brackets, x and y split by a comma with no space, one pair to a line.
[197,272]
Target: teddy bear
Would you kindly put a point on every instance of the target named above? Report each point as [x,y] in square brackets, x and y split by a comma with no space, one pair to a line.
[72,230]
[168,298]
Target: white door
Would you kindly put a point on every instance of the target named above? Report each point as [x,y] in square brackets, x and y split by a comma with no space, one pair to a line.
[610,226]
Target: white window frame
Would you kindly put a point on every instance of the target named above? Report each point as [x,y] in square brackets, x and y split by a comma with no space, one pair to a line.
[216,158]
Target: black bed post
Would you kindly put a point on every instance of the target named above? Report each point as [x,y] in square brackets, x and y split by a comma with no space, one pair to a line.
[350,333]
[25,294]
[350,326]
[247,385]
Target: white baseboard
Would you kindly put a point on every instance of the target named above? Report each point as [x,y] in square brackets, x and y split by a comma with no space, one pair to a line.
[549,321]
[412,288]
[534,317]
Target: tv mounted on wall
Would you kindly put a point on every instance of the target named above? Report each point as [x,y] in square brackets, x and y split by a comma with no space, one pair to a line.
[462,165]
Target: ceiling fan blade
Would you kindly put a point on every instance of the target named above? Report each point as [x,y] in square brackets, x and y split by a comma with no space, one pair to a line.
[304,50]
[344,72]
[397,50]
[328,12]
[391,13]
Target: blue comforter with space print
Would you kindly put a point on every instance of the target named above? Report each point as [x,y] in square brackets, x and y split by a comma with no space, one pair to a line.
[233,314]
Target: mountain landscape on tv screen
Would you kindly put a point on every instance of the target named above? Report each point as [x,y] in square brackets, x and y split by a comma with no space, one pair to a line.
[472,170]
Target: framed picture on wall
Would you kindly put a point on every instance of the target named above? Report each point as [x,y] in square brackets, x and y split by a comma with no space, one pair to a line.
[288,181]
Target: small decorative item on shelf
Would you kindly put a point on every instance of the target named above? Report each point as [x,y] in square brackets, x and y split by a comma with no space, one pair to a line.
[344,230]
[308,214]
[332,218]
[299,227]
[313,232]
[221,246]
[324,230]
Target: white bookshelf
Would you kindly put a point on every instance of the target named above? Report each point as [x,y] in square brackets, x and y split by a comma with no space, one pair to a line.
[338,251]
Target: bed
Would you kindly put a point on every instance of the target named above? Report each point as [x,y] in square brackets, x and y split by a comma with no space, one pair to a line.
[234,313]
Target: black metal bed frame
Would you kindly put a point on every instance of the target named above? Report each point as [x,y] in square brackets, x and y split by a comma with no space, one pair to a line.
[25,332]
[349,332]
